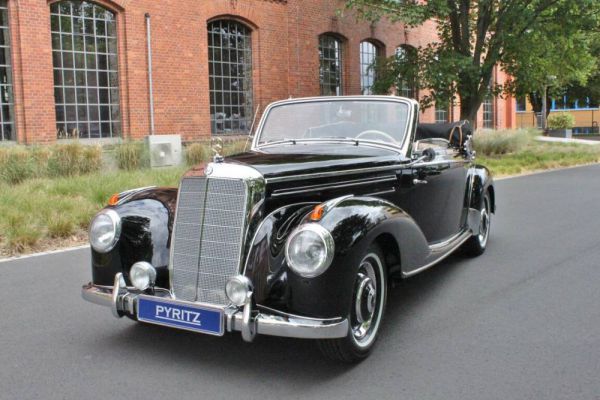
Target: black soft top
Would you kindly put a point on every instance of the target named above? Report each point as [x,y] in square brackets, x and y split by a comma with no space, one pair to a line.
[455,132]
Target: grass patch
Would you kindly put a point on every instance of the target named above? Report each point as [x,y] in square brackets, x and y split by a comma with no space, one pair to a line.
[48,195]
[517,152]
[39,211]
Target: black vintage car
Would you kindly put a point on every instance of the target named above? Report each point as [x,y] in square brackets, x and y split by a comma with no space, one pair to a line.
[301,235]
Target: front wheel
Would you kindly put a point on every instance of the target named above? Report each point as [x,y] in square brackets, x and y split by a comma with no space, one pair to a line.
[476,244]
[366,311]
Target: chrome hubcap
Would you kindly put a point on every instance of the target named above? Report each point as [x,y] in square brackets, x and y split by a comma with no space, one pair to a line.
[484,225]
[365,307]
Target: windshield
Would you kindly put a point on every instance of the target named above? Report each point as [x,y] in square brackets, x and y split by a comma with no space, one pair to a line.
[375,120]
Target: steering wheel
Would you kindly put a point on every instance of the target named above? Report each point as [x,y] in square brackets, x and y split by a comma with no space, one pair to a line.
[386,136]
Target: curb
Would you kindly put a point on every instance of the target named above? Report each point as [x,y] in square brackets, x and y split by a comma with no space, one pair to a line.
[44,253]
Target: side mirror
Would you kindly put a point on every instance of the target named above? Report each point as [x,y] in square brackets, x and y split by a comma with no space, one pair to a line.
[428,155]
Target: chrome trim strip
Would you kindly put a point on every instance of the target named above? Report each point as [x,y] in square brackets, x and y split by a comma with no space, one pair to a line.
[290,178]
[444,243]
[400,165]
[345,184]
[459,241]
[130,193]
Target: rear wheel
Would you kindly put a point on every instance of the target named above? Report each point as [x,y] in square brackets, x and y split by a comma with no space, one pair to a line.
[366,311]
[477,243]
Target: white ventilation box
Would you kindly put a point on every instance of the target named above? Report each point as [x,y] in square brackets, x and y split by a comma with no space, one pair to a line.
[165,150]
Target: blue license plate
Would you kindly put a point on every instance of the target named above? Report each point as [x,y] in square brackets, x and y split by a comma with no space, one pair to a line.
[177,314]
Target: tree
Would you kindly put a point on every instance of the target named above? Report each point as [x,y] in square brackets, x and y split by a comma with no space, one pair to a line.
[474,37]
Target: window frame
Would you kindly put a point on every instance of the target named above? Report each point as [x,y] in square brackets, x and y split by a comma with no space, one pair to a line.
[85,57]
[220,85]
[375,51]
[338,60]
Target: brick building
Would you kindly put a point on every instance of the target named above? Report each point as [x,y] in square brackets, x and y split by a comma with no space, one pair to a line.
[81,68]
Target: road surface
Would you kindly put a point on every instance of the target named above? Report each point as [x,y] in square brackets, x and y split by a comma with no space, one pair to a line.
[520,322]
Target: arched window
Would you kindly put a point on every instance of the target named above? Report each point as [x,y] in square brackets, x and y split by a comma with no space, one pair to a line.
[7,128]
[368,54]
[230,76]
[86,76]
[407,56]
[330,65]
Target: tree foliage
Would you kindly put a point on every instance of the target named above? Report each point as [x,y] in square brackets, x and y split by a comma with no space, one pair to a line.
[527,38]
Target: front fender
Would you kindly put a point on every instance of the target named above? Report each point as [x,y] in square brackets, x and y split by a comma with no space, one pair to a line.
[147,221]
[354,223]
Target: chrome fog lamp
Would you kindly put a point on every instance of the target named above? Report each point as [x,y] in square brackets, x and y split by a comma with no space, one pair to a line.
[105,230]
[142,275]
[309,250]
[237,289]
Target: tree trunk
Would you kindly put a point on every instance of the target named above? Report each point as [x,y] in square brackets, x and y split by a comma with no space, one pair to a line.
[469,106]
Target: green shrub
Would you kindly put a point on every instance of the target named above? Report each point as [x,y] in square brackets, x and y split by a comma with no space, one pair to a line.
[74,159]
[500,142]
[561,121]
[60,225]
[16,165]
[132,155]
[91,159]
[197,153]
[21,232]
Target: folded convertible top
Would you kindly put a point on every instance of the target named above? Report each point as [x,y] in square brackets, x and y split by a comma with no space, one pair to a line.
[454,132]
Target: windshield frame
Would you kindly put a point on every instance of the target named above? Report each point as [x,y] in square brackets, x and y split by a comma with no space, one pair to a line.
[402,148]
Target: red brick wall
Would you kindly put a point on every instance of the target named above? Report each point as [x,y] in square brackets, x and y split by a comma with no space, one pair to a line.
[285,59]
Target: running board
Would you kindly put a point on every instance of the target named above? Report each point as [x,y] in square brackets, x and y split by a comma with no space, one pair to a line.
[440,251]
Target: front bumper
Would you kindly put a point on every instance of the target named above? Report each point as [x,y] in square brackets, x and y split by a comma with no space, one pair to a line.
[123,300]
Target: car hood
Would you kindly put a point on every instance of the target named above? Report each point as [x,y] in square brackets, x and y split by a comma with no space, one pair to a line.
[289,160]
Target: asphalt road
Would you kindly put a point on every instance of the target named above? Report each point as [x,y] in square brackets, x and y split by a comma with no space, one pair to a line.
[520,322]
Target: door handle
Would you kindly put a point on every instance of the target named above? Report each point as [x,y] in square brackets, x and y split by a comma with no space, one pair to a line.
[417,182]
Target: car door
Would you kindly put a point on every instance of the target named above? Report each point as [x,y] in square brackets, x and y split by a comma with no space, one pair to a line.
[437,190]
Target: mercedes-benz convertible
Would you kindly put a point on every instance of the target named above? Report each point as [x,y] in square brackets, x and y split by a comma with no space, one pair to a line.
[301,235]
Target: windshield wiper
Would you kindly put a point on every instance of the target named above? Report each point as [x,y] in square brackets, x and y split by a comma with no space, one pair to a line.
[279,141]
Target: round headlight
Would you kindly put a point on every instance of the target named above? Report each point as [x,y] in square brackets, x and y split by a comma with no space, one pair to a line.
[237,289]
[142,275]
[309,250]
[105,231]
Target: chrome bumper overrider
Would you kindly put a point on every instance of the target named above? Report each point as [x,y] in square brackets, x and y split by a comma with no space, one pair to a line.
[124,301]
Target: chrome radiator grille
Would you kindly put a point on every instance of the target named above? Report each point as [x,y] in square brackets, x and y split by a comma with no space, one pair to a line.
[207,238]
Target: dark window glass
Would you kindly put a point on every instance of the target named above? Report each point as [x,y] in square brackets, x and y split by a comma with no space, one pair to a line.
[6,96]
[84,70]
[368,54]
[230,77]
[330,66]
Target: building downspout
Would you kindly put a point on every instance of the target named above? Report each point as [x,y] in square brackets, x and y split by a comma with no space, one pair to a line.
[150,81]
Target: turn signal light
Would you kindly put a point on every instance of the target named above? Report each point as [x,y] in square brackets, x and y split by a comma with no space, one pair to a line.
[317,213]
[114,199]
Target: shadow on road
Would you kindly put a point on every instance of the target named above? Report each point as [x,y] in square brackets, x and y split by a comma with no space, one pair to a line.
[299,360]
